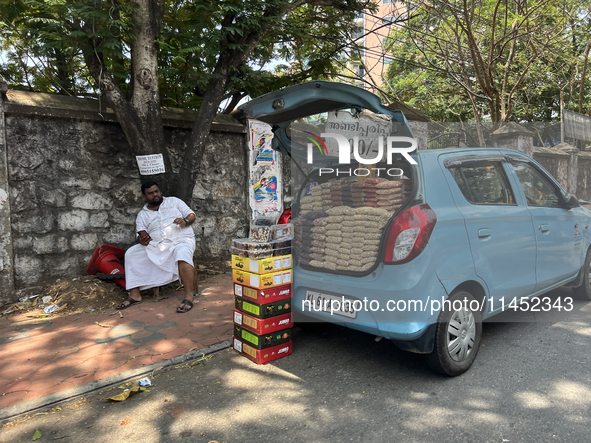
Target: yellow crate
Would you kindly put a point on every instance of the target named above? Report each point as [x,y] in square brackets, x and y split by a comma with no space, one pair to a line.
[262,281]
[263,266]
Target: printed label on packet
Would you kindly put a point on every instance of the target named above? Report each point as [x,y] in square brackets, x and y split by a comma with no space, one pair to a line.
[287,262]
[254,281]
[250,322]
[238,318]
[277,279]
[238,345]
[238,290]
[287,277]
[253,266]
[277,264]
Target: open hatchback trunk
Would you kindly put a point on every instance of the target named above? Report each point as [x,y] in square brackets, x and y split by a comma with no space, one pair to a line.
[350,173]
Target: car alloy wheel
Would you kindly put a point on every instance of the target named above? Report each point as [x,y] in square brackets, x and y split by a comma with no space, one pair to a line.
[457,335]
[461,333]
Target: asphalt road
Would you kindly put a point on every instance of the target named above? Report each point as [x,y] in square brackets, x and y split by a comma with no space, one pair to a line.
[530,383]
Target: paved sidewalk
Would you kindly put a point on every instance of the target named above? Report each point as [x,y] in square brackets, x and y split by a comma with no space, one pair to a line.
[45,356]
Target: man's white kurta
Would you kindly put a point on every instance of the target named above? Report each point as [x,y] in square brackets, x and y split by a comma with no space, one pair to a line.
[157,264]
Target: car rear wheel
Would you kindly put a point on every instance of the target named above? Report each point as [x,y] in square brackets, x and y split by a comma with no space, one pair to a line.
[584,291]
[458,335]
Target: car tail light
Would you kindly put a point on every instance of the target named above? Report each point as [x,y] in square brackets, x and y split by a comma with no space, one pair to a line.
[409,234]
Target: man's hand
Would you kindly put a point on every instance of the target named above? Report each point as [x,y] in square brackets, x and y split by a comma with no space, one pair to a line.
[187,221]
[144,238]
[179,221]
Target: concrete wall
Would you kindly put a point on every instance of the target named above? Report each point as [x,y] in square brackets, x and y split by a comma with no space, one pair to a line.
[73,184]
[584,176]
[555,161]
[573,174]
[570,167]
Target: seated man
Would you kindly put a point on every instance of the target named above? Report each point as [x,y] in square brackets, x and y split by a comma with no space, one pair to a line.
[166,248]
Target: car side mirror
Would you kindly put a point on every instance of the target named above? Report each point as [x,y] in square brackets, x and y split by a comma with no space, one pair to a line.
[571,201]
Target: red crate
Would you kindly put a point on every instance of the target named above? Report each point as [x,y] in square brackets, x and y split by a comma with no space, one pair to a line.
[262,356]
[262,296]
[262,326]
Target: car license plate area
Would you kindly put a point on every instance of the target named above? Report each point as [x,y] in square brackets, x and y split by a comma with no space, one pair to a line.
[333,304]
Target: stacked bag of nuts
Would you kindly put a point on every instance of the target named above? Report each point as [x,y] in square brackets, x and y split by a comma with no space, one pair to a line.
[385,194]
[340,238]
[312,202]
[341,223]
[310,236]
[374,192]
[329,195]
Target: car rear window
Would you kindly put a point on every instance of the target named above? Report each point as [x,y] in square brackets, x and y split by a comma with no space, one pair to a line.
[483,183]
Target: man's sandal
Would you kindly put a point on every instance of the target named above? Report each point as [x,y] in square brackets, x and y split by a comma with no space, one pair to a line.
[186,306]
[130,301]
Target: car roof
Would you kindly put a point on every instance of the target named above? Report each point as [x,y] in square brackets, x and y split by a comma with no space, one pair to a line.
[426,153]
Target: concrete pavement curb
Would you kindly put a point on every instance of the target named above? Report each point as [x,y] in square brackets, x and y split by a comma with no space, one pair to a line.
[12,412]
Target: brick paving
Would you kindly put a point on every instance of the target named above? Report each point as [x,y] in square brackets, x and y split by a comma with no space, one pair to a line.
[44,356]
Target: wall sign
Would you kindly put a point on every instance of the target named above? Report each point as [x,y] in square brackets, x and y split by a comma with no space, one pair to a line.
[150,164]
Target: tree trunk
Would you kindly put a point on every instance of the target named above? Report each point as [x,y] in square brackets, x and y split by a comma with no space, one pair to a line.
[193,155]
[140,116]
[63,74]
[583,75]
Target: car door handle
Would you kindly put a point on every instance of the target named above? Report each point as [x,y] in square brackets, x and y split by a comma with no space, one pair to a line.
[544,228]
[484,233]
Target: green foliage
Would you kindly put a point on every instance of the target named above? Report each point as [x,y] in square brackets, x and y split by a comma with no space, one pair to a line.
[54,35]
[511,58]
[307,40]
[43,40]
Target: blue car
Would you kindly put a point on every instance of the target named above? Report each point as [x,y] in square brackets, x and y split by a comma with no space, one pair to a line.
[417,246]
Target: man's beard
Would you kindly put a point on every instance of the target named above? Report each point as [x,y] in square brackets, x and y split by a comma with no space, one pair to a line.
[156,201]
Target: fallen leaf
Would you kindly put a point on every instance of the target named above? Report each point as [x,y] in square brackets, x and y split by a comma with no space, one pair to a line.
[37,435]
[120,314]
[125,422]
[124,395]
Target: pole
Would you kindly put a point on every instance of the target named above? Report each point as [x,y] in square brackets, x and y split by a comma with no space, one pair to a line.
[561,116]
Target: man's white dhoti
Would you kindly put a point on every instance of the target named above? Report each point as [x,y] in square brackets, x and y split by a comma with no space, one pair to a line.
[157,264]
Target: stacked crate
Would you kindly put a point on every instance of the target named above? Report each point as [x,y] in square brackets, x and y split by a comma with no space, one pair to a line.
[262,314]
